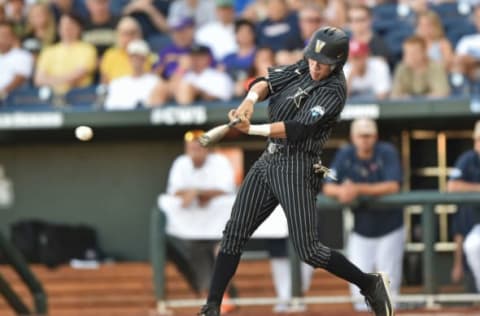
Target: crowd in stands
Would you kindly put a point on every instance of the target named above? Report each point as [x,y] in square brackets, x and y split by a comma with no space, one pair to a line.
[185,51]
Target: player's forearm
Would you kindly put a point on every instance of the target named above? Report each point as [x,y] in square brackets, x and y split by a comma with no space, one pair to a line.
[331,190]
[462,186]
[377,189]
[210,194]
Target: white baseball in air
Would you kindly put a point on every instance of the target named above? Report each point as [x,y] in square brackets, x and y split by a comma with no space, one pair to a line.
[84,133]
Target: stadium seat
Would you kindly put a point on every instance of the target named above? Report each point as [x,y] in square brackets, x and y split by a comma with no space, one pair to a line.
[447,9]
[387,11]
[26,96]
[116,7]
[82,96]
[456,33]
[395,39]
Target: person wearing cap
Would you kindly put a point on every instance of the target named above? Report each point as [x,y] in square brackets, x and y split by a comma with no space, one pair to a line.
[368,77]
[202,82]
[130,92]
[70,63]
[197,178]
[305,100]
[417,75]
[115,62]
[223,28]
[16,64]
[370,168]
[465,177]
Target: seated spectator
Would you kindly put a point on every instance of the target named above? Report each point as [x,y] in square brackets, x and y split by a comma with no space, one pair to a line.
[16,64]
[264,58]
[202,11]
[68,64]
[210,33]
[360,22]
[174,60]
[310,20]
[238,64]
[417,75]
[467,52]
[439,49]
[115,62]
[15,10]
[465,177]
[371,168]
[129,92]
[41,28]
[202,81]
[99,27]
[182,33]
[150,14]
[280,28]
[367,77]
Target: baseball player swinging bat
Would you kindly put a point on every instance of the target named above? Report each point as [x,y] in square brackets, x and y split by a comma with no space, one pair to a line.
[217,133]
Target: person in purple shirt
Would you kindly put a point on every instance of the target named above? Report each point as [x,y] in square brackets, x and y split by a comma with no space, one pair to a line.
[170,56]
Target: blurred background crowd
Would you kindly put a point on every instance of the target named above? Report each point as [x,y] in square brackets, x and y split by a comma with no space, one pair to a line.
[126,54]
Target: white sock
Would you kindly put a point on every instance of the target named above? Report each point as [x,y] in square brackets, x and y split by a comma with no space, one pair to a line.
[282,280]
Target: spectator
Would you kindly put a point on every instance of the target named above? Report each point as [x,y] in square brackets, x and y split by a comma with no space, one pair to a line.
[210,33]
[15,10]
[367,77]
[467,52]
[310,20]
[360,22]
[237,64]
[369,167]
[150,14]
[174,60]
[129,92]
[99,28]
[417,75]
[280,28]
[256,11]
[202,11]
[264,58]
[115,62]
[41,28]
[182,32]
[202,81]
[199,178]
[16,64]
[59,7]
[439,49]
[336,13]
[466,178]
[68,64]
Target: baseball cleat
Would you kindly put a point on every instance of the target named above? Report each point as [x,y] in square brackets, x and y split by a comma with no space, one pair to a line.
[209,310]
[378,296]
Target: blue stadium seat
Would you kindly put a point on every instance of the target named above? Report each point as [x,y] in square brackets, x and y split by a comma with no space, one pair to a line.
[447,9]
[116,6]
[395,39]
[387,11]
[456,33]
[82,96]
[26,96]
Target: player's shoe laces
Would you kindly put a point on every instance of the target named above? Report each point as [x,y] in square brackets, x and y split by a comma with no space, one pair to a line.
[378,296]
[209,309]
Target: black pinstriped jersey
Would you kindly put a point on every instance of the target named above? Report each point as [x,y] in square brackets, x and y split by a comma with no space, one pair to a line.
[294,95]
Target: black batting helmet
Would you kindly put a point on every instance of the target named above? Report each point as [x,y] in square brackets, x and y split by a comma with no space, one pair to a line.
[328,45]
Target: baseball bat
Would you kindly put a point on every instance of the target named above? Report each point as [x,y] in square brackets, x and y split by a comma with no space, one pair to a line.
[217,133]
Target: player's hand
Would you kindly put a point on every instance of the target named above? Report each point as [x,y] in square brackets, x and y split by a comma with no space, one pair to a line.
[348,192]
[457,272]
[245,109]
[243,126]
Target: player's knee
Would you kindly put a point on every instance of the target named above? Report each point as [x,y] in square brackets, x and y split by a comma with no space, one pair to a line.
[315,255]
[235,237]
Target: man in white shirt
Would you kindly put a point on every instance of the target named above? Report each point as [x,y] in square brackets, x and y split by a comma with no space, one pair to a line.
[367,77]
[467,52]
[219,35]
[130,92]
[199,178]
[16,64]
[202,81]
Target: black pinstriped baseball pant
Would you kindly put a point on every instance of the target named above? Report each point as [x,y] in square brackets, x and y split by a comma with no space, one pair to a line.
[284,178]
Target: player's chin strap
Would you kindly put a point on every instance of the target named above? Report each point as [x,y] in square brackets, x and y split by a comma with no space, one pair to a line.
[327,173]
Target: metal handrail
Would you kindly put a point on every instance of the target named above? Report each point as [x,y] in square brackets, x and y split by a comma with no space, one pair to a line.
[16,260]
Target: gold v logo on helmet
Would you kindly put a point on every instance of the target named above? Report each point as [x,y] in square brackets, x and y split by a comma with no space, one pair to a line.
[319,45]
